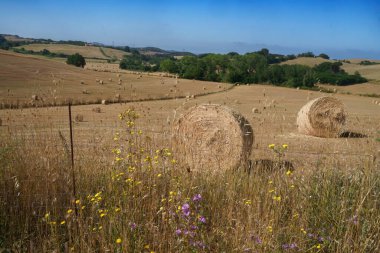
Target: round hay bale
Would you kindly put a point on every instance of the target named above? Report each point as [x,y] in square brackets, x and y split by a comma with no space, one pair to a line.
[255,110]
[104,102]
[79,118]
[211,137]
[322,117]
[35,97]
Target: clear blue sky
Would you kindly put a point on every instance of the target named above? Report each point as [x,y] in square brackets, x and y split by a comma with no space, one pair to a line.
[341,28]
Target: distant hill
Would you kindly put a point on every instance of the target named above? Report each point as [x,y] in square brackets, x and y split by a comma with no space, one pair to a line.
[308,61]
[86,51]
[371,72]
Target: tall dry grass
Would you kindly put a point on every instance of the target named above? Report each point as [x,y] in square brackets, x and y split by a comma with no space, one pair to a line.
[141,201]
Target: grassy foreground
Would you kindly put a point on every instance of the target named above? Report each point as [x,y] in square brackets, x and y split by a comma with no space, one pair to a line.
[143,202]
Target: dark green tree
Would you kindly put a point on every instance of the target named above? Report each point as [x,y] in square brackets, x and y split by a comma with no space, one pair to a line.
[76,60]
[324,56]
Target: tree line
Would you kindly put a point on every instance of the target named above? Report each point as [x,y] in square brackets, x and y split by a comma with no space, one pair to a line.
[255,67]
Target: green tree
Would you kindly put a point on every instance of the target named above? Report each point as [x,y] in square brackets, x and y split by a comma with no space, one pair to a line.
[169,65]
[324,56]
[76,60]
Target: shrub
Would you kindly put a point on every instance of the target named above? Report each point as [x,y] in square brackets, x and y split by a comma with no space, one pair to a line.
[76,60]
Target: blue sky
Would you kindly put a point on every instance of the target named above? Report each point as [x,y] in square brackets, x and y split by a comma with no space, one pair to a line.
[343,29]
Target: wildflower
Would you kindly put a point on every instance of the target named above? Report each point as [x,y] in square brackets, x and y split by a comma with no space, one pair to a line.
[47,215]
[284,146]
[102,215]
[270,229]
[248,202]
[146,246]
[63,222]
[318,246]
[197,197]
[271,146]
[186,209]
[173,161]
[132,225]
[202,219]
[289,172]
[69,211]
[303,231]
[178,232]
[277,198]
[77,201]
[83,207]
[159,175]
[118,240]
[118,159]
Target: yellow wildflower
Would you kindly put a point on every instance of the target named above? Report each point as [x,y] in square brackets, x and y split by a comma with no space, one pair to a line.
[284,146]
[271,146]
[63,222]
[69,211]
[118,240]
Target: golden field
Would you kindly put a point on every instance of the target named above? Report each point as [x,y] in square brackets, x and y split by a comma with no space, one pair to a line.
[131,195]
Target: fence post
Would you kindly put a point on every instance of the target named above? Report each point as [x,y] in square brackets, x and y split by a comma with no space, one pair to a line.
[72,157]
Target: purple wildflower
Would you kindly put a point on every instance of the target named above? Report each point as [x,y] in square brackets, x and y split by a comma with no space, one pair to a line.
[133,225]
[178,232]
[193,227]
[197,198]
[354,219]
[202,219]
[186,209]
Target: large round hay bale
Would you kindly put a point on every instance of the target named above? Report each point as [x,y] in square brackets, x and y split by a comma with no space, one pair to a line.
[322,117]
[211,137]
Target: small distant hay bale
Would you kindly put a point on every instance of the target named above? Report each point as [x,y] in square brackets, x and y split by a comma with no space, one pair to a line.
[97,110]
[255,110]
[35,97]
[104,102]
[322,117]
[117,96]
[81,82]
[85,92]
[79,118]
[101,81]
[110,79]
[212,138]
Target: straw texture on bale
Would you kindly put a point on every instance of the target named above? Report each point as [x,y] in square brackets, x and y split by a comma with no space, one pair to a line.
[211,137]
[322,117]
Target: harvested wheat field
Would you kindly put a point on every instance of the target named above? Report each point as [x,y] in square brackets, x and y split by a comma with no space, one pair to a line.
[274,124]
[28,81]
[85,51]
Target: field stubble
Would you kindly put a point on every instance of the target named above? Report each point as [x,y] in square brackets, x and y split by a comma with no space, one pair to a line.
[131,203]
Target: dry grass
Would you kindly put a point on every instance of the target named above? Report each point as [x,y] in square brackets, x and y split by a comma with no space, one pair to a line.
[139,201]
[131,187]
